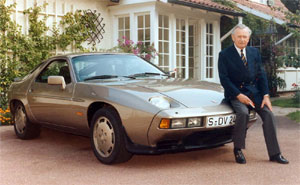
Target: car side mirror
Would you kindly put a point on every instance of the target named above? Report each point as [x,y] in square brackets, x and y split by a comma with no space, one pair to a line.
[57,80]
[172,74]
[18,79]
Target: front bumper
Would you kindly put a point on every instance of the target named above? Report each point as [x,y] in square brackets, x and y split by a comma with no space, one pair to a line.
[196,140]
[166,140]
[157,135]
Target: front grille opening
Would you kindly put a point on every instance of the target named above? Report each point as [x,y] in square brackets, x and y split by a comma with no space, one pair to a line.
[208,137]
[168,144]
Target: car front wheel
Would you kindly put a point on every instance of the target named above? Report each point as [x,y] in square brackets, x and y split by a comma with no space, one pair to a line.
[24,129]
[108,138]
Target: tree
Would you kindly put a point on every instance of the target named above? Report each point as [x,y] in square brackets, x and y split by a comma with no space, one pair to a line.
[292,5]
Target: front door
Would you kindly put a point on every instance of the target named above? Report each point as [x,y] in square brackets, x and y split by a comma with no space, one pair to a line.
[51,103]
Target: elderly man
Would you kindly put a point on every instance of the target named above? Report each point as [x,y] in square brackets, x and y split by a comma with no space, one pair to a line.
[246,87]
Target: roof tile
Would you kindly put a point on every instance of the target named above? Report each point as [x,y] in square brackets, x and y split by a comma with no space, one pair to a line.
[265,8]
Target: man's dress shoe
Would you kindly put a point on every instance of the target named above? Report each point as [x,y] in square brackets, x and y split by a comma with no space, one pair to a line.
[239,156]
[279,158]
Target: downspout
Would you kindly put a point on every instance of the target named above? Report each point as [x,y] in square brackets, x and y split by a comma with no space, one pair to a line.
[228,33]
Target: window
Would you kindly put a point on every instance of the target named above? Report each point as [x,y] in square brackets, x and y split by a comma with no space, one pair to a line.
[124,27]
[192,43]
[143,29]
[180,48]
[256,41]
[209,51]
[55,68]
[163,43]
[291,45]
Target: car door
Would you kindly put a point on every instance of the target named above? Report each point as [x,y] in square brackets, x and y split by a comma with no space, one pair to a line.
[51,103]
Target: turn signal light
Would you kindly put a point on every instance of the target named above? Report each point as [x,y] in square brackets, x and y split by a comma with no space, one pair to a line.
[164,123]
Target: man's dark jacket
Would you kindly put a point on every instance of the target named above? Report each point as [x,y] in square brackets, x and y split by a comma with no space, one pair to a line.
[236,78]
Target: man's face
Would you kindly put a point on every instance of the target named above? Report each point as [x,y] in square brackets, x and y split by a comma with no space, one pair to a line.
[241,38]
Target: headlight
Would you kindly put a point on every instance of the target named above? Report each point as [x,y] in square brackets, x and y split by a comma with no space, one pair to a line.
[181,123]
[160,102]
[178,123]
[252,114]
[194,122]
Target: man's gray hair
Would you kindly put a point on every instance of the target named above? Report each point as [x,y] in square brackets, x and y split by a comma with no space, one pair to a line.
[241,26]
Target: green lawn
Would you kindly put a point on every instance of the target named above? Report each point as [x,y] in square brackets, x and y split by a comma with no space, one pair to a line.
[289,102]
[294,116]
[285,102]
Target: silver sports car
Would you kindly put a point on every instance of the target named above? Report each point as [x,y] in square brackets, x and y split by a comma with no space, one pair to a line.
[124,104]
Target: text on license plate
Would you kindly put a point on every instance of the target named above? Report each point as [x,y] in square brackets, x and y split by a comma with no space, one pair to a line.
[220,121]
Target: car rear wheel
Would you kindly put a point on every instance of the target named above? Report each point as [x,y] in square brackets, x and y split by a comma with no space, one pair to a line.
[24,129]
[108,138]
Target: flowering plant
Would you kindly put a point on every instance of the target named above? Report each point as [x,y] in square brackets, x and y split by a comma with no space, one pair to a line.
[296,97]
[146,52]
[5,117]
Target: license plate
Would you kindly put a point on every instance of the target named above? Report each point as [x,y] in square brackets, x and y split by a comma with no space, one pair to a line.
[220,121]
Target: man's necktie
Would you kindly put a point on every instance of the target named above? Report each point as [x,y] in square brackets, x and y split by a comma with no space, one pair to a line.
[243,58]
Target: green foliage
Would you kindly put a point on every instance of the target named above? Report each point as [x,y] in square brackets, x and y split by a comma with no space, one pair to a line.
[20,53]
[225,3]
[257,25]
[78,28]
[285,102]
[290,59]
[292,24]
[294,116]
[296,97]
[294,19]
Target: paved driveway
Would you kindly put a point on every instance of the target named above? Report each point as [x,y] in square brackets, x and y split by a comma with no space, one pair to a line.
[64,159]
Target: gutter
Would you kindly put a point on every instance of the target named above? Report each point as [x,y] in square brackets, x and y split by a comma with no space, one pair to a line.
[260,14]
[199,6]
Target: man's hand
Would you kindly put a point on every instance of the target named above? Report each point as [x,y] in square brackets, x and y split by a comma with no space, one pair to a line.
[245,100]
[266,102]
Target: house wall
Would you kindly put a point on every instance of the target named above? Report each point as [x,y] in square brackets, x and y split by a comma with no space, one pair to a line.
[56,9]
[191,15]
[290,75]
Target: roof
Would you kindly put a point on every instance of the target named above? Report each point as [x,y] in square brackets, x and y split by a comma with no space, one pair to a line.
[272,11]
[208,5]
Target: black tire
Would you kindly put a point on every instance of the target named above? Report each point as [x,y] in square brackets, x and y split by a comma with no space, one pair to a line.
[24,129]
[108,137]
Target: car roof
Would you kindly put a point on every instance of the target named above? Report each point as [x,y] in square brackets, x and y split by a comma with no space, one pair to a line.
[71,55]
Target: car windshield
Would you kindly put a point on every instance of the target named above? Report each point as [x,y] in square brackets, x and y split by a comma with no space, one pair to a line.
[107,66]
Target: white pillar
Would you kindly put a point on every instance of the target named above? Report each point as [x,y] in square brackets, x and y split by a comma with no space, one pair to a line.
[240,20]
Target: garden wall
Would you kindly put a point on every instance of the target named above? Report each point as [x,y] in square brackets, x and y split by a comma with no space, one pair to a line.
[290,75]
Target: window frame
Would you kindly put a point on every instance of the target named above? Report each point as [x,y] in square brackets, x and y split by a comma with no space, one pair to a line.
[37,80]
[209,55]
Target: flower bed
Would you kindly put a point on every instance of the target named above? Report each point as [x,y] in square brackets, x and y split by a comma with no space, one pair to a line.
[5,117]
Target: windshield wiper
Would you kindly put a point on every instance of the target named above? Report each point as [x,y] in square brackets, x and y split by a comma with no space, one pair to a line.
[101,77]
[147,74]
[107,77]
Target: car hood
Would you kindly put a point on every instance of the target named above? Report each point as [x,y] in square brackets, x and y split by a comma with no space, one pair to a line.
[190,93]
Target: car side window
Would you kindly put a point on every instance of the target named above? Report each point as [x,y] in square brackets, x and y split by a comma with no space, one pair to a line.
[55,68]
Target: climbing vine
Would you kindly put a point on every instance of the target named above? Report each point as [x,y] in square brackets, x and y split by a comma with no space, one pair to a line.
[20,53]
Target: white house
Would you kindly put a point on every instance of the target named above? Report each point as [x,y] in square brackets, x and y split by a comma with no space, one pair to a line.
[186,33]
